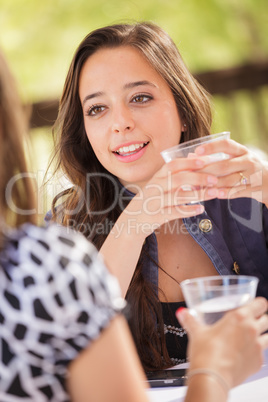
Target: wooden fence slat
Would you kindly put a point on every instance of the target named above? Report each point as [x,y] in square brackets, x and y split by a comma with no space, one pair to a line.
[220,82]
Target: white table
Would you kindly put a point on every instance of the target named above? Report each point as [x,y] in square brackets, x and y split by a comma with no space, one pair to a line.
[254,389]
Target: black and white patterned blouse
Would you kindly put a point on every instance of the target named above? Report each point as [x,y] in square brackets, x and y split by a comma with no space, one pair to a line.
[56,296]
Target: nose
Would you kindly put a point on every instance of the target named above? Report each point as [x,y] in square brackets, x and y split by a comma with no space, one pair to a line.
[122,120]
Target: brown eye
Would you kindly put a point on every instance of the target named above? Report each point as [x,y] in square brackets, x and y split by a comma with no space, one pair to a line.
[141,98]
[95,109]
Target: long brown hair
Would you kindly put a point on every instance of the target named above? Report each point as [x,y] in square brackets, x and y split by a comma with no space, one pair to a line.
[17,205]
[87,204]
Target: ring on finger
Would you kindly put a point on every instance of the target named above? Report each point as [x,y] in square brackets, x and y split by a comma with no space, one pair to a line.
[243,180]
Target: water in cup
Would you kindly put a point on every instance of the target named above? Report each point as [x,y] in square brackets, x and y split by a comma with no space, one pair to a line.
[212,310]
[210,297]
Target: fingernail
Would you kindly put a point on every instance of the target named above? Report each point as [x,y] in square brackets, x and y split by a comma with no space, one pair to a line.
[212,192]
[180,310]
[199,162]
[180,314]
[212,179]
[200,150]
[199,209]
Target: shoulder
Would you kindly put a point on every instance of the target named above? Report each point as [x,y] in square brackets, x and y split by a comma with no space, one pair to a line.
[59,272]
[56,239]
[55,255]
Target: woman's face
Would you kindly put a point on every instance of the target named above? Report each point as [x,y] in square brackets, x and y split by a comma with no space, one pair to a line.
[130,114]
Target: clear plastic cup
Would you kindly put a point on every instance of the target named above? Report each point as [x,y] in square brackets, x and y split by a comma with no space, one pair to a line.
[210,297]
[187,149]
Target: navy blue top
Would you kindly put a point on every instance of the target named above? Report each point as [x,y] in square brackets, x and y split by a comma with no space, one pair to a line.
[238,239]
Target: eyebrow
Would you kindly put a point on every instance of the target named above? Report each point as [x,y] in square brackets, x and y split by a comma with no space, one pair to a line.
[138,83]
[94,95]
[126,86]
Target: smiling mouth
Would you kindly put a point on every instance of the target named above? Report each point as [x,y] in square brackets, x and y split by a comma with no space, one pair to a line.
[132,149]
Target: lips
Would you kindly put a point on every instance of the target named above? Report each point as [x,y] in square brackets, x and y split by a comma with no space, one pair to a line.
[130,152]
[130,149]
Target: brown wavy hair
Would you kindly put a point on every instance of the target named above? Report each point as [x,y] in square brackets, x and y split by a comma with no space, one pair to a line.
[87,204]
[17,206]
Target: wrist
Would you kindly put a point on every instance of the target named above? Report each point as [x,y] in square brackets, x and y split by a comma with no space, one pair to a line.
[127,229]
[212,374]
[139,222]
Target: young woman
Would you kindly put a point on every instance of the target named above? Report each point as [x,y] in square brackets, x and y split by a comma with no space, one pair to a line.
[127,97]
[61,337]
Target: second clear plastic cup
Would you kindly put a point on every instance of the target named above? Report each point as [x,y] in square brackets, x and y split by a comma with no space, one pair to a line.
[209,298]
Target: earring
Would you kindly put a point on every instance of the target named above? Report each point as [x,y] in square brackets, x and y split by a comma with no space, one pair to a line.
[184,125]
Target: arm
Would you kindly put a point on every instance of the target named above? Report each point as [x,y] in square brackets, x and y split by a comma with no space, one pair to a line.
[230,362]
[159,201]
[109,370]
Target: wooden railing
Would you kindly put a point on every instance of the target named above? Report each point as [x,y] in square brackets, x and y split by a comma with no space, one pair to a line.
[222,82]
[250,77]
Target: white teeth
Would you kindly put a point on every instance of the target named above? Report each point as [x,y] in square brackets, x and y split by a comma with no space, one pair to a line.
[131,148]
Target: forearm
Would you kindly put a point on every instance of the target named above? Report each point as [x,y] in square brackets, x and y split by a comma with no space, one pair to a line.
[109,369]
[122,248]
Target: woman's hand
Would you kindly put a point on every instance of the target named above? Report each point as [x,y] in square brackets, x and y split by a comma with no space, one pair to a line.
[233,346]
[169,193]
[243,175]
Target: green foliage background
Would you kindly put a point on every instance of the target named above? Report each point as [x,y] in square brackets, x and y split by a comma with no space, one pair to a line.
[40,37]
